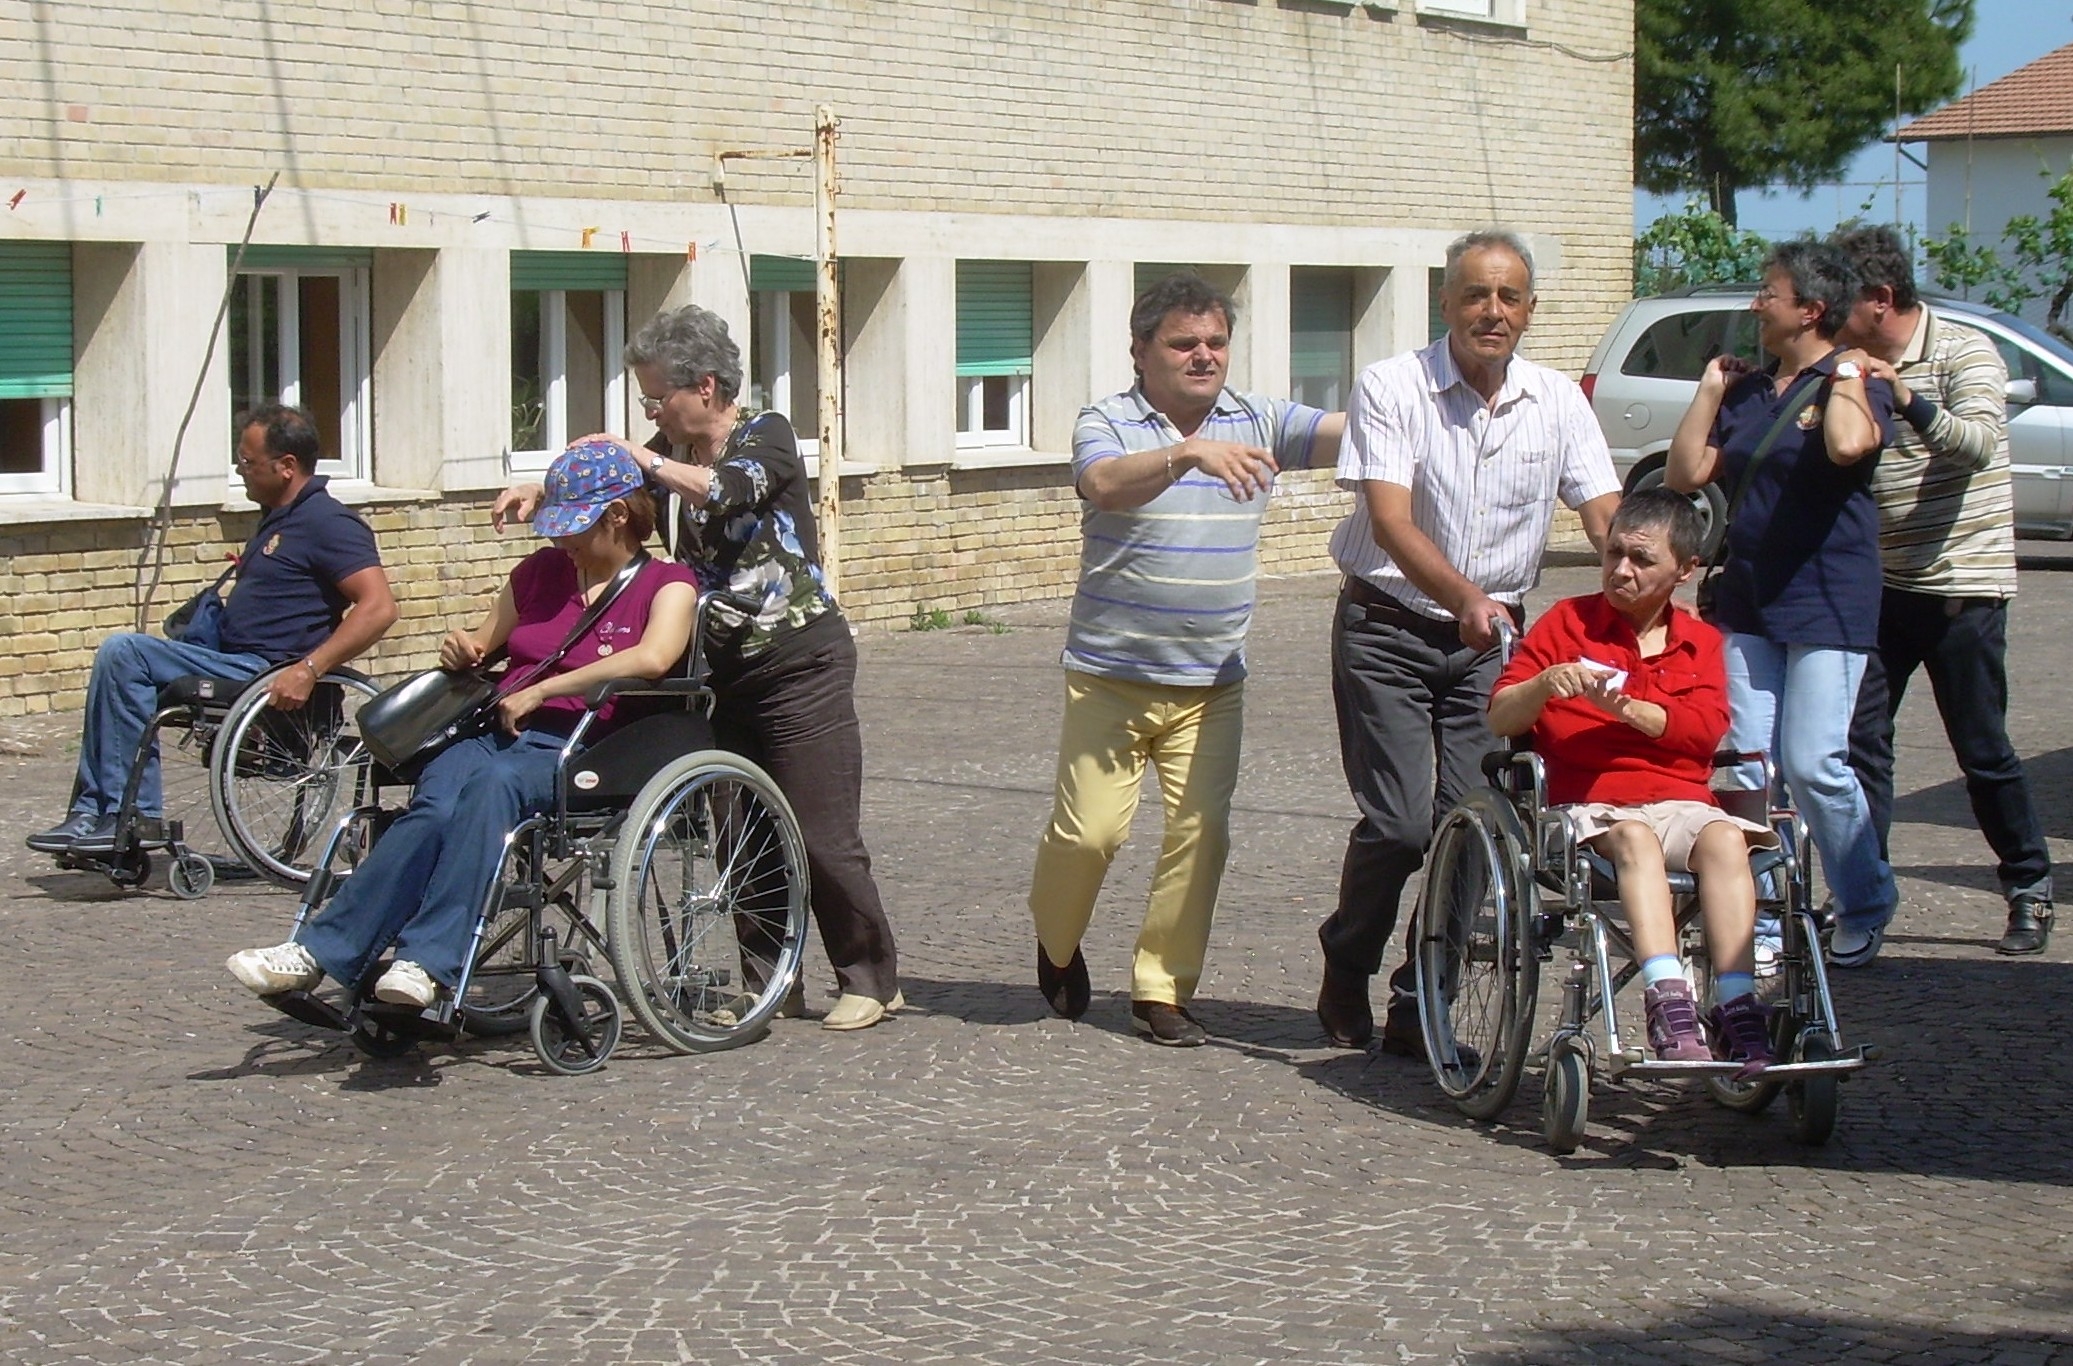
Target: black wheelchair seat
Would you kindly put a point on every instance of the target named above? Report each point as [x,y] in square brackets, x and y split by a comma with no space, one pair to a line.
[201,690]
[611,773]
[1605,888]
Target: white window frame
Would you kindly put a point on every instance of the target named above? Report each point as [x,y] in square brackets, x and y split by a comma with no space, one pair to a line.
[554,369]
[1508,12]
[354,460]
[774,324]
[55,478]
[972,433]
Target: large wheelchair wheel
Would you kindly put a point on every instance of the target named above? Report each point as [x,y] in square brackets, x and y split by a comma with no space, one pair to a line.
[279,779]
[1478,971]
[706,918]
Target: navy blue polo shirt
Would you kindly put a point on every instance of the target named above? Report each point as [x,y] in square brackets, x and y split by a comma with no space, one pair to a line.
[1803,547]
[286,600]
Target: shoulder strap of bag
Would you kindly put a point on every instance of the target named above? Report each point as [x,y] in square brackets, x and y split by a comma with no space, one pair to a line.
[598,606]
[1756,457]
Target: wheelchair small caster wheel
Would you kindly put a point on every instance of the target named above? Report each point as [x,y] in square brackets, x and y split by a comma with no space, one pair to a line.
[1565,1100]
[379,1040]
[1816,1099]
[190,876]
[131,869]
[573,1047]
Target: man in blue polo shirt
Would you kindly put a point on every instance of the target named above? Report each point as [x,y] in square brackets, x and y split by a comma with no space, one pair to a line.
[310,593]
[1174,473]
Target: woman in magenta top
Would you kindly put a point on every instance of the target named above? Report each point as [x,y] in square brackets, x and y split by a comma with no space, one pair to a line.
[422,886]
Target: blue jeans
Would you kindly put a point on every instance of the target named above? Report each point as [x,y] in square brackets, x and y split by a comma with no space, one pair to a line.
[421,887]
[121,698]
[1795,702]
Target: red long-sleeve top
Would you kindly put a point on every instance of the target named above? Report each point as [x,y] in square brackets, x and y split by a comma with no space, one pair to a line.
[1592,756]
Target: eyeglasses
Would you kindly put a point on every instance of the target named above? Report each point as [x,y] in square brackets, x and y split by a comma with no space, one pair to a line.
[261,463]
[652,406]
[1768,293]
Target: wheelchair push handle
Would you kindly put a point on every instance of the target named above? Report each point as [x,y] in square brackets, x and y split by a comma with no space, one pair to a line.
[1507,637]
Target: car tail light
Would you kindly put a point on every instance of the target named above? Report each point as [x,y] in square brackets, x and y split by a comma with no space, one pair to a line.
[1589,384]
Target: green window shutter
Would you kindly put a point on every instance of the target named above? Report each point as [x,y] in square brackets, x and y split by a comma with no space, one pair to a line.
[994,328]
[302,258]
[780,275]
[1435,325]
[35,319]
[1320,309]
[578,270]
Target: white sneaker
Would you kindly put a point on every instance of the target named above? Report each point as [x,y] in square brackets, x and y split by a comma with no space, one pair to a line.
[269,972]
[406,984]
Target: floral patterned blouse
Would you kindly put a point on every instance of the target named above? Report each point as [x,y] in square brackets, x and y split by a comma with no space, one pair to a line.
[756,541]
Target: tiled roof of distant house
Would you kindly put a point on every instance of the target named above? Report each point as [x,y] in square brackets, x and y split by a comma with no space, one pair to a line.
[2030,101]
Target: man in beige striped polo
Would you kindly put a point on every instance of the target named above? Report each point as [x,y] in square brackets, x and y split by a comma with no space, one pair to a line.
[1947,542]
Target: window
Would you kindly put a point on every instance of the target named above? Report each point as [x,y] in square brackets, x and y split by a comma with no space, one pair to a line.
[35,366]
[568,330]
[1320,336]
[1435,321]
[995,342]
[2054,388]
[784,349]
[299,334]
[1678,347]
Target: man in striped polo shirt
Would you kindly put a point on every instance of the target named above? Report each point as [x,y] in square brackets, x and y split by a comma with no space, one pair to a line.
[1455,454]
[1947,540]
[1174,474]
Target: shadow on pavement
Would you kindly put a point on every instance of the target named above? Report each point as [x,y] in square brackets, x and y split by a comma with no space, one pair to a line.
[1742,1331]
[2050,775]
[1968,1083]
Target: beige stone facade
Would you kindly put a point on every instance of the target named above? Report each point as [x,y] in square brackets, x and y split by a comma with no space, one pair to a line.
[419,147]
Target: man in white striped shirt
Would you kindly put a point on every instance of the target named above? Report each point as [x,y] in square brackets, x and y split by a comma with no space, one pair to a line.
[1456,454]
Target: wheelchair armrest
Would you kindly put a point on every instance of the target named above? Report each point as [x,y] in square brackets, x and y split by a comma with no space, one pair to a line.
[641,687]
[1730,758]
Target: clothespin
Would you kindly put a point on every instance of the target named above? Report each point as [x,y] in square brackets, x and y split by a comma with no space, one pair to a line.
[480,216]
[16,202]
[625,241]
[399,214]
[588,233]
[690,251]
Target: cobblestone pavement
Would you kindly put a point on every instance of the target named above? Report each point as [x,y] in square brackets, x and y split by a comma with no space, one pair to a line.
[192,1178]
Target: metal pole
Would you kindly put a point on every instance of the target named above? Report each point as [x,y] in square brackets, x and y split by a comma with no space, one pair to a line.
[828,316]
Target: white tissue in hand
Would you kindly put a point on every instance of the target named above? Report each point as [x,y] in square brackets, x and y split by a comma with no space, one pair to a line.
[1615,679]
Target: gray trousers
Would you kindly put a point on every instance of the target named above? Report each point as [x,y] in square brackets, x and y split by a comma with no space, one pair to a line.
[1410,699]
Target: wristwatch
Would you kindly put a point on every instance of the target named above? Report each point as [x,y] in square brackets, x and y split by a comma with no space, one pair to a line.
[1848,369]
[654,466]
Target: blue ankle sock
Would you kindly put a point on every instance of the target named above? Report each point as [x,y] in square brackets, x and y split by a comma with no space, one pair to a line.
[1661,968]
[1729,985]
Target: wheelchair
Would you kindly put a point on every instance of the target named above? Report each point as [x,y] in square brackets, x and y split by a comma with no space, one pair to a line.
[1508,884]
[678,864]
[276,780]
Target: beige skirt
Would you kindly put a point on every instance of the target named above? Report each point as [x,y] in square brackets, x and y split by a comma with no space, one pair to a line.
[1676,824]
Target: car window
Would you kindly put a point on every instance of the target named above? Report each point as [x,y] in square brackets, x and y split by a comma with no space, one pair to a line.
[1678,347]
[2054,386]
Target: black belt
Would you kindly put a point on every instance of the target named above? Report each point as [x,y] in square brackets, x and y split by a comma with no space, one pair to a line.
[1384,607]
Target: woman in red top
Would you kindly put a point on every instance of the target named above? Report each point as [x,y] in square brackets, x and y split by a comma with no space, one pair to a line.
[421,887]
[1626,696]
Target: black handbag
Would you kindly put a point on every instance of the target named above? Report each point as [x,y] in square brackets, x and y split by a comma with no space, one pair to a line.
[199,620]
[1706,595]
[408,725]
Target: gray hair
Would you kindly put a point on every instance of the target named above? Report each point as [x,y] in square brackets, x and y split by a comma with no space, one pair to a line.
[1820,274]
[689,343]
[1484,239]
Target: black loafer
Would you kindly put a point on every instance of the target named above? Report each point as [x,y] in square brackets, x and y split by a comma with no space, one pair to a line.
[1167,1024]
[1343,1009]
[2029,927]
[1066,988]
[1403,1036]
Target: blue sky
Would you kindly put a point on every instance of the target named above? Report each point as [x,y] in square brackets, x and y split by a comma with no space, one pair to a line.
[2005,35]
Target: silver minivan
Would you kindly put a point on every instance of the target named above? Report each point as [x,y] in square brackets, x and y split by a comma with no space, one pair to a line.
[1646,370]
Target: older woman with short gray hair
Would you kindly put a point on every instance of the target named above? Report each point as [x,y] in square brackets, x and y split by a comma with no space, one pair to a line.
[783,666]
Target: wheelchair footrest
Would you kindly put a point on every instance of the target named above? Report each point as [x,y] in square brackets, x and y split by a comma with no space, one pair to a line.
[410,1022]
[1655,1067]
[1851,1060]
[300,1005]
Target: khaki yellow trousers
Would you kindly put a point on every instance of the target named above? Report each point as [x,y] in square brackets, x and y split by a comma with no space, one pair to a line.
[1113,728]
